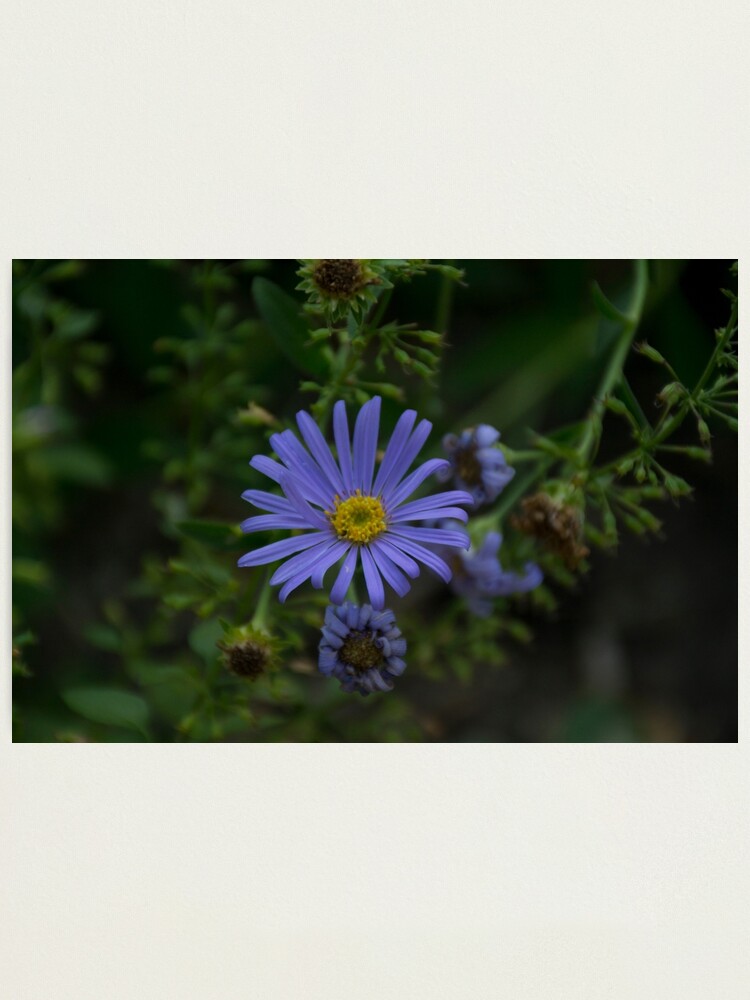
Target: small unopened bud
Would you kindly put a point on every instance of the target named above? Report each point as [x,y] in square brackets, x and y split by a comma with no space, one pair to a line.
[622,468]
[648,520]
[671,394]
[617,406]
[255,416]
[677,487]
[697,454]
[650,352]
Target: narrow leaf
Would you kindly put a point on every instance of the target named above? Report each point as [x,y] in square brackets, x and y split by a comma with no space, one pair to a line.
[281,314]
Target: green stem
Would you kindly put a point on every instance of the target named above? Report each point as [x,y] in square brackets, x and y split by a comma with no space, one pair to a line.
[631,401]
[356,348]
[444,302]
[261,608]
[721,343]
[613,371]
[351,594]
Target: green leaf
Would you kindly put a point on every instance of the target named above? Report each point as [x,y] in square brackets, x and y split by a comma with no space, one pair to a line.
[74,323]
[180,602]
[78,463]
[103,637]
[31,571]
[24,639]
[203,638]
[109,706]
[281,314]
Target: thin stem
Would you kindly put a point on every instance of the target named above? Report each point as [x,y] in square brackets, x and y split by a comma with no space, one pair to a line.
[613,371]
[356,348]
[721,343]
[630,400]
[261,609]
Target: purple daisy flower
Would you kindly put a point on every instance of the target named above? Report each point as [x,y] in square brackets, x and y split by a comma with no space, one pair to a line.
[350,513]
[361,648]
[475,464]
[478,576]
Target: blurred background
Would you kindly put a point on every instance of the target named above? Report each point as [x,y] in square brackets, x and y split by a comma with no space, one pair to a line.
[142,388]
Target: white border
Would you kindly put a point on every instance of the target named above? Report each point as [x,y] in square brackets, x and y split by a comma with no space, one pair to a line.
[241,128]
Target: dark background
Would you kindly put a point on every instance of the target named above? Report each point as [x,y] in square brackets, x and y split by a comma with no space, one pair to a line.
[645,645]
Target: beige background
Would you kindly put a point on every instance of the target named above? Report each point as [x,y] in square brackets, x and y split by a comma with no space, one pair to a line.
[242,128]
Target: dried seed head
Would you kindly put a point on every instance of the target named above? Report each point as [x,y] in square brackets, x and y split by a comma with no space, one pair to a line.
[248,653]
[557,526]
[341,279]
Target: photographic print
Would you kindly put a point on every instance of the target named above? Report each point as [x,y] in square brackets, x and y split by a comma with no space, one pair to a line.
[349,500]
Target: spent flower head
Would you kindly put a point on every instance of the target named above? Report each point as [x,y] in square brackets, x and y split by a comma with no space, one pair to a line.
[557,525]
[362,648]
[248,652]
[349,512]
[337,285]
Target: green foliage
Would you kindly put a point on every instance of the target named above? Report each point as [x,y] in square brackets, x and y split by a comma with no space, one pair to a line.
[284,322]
[109,706]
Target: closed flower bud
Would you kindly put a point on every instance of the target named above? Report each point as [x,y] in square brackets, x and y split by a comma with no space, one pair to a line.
[671,394]
[650,352]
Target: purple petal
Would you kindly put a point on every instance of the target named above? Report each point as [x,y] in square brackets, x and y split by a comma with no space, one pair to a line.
[433,562]
[340,587]
[372,579]
[433,536]
[320,450]
[366,444]
[391,573]
[278,550]
[270,522]
[407,455]
[295,581]
[300,504]
[297,460]
[268,501]
[484,435]
[396,665]
[324,563]
[404,562]
[400,435]
[268,467]
[343,445]
[445,499]
[305,560]
[417,513]
[407,487]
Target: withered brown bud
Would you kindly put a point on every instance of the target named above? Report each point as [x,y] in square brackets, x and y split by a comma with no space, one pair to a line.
[557,526]
[248,659]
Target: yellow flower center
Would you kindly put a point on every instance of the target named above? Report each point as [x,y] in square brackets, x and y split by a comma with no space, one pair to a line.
[358,519]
